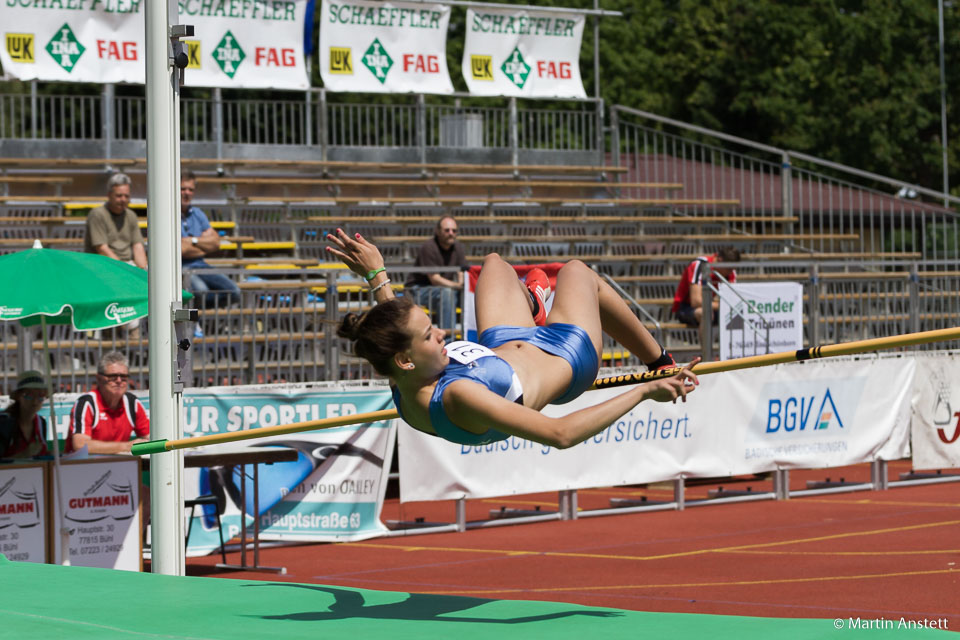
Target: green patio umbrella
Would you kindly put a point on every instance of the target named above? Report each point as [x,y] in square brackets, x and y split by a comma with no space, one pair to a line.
[89,291]
[86,290]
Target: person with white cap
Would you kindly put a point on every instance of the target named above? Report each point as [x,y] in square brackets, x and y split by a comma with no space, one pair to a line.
[23,432]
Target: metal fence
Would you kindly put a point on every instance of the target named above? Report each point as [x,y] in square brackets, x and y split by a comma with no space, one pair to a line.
[306,126]
[284,328]
[826,207]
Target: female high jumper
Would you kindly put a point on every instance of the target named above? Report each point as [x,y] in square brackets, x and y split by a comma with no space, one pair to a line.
[474,394]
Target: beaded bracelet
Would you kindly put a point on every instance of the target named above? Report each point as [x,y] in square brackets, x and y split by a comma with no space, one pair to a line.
[382,284]
[373,274]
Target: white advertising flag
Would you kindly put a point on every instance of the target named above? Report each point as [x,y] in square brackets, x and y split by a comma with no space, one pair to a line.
[935,431]
[384,47]
[515,52]
[238,43]
[759,318]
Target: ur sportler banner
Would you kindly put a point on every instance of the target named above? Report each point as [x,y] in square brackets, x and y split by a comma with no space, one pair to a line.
[238,43]
[515,52]
[384,47]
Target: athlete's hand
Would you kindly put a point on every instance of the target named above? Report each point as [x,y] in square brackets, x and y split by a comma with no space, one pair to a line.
[357,252]
[676,386]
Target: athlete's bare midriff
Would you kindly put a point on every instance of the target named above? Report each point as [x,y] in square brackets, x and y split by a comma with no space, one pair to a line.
[530,363]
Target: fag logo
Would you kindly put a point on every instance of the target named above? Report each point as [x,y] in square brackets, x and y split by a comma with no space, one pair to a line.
[20,47]
[516,68]
[65,48]
[481,67]
[228,55]
[117,313]
[341,61]
[193,54]
[377,60]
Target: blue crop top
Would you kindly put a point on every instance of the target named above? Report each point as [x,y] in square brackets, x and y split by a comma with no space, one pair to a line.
[470,361]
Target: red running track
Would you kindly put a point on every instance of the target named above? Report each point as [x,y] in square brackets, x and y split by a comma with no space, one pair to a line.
[869,554]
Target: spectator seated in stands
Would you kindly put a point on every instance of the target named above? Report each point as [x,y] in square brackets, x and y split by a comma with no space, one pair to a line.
[688,299]
[23,431]
[197,241]
[104,419]
[440,292]
[113,230]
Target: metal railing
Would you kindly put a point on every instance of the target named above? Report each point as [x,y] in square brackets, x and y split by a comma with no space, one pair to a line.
[284,330]
[816,200]
[308,125]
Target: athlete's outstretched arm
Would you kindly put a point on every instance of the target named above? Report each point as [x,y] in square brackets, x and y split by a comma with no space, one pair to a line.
[476,409]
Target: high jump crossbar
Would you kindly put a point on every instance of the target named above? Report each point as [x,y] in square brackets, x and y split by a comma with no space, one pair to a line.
[701,368]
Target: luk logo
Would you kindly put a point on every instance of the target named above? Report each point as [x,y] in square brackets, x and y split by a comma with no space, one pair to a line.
[794,413]
[516,69]
[481,67]
[20,47]
[65,48]
[377,60]
[341,61]
[228,55]
[193,54]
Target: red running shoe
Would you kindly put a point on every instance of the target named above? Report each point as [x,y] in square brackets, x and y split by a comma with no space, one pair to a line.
[539,286]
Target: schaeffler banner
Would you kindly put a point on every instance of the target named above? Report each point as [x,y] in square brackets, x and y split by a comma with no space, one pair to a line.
[384,47]
[523,53]
[238,43]
[936,412]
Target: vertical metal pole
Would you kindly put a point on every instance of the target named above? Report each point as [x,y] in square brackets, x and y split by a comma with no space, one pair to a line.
[706,319]
[33,109]
[514,135]
[615,137]
[813,308]
[307,118]
[324,118]
[786,189]
[943,110]
[331,354]
[106,108]
[218,121]
[422,127]
[878,475]
[596,51]
[461,507]
[601,135]
[163,171]
[914,298]
[678,493]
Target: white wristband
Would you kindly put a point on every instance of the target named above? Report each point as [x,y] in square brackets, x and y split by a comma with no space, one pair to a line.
[382,284]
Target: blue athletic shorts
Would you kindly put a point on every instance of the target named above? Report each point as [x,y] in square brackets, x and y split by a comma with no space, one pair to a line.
[568,341]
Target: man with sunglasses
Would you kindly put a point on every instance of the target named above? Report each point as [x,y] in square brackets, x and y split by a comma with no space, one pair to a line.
[104,419]
[440,292]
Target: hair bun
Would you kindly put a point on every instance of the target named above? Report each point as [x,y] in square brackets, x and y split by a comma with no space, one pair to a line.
[349,327]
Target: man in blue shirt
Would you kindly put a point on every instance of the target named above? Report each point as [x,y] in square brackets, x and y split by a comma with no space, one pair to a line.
[198,240]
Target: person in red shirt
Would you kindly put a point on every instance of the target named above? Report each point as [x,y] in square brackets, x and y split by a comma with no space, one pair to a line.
[23,432]
[688,300]
[104,419]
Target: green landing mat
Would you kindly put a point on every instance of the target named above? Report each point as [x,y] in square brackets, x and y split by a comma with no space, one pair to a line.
[50,601]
